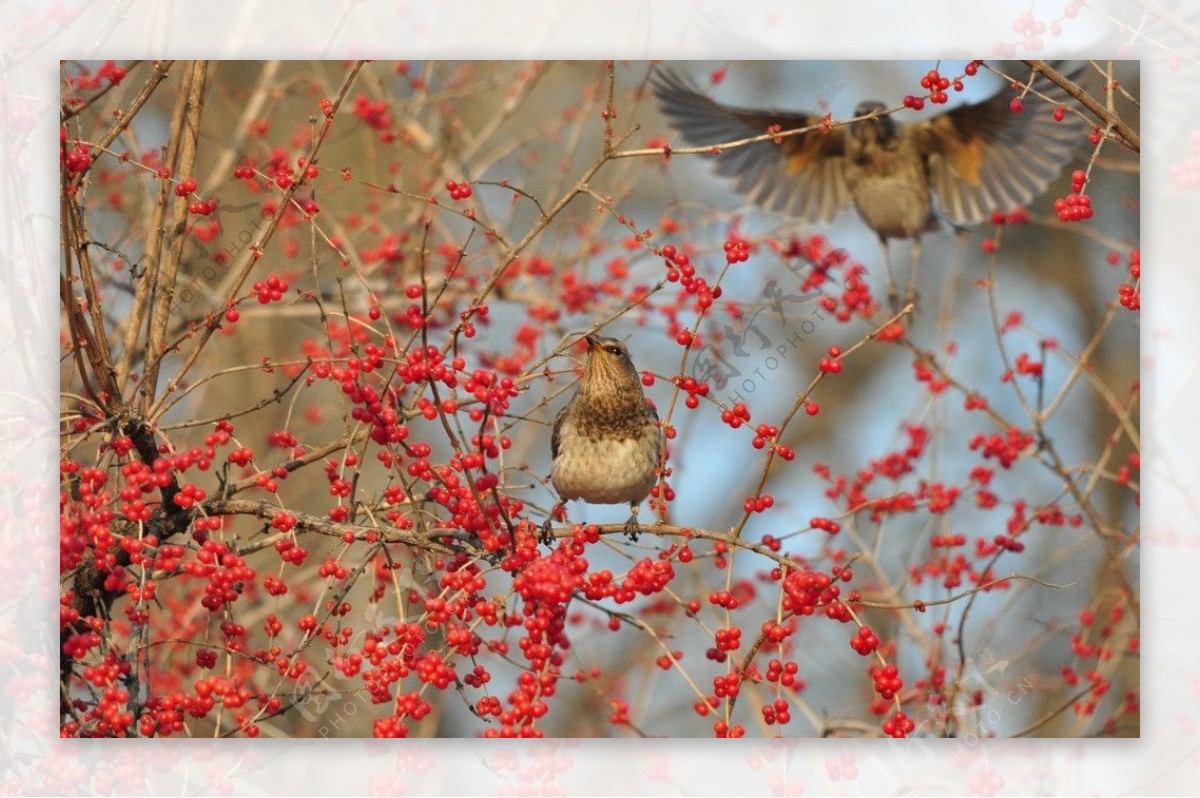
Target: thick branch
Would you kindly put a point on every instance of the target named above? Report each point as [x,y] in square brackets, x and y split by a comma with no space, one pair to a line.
[1088,101]
[187,128]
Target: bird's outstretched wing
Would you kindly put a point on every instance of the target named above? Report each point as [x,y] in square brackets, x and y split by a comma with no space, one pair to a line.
[801,176]
[556,435]
[660,439]
[984,157]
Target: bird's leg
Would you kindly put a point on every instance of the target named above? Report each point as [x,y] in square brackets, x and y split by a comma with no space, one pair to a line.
[547,534]
[910,293]
[893,295]
[631,526]
[946,313]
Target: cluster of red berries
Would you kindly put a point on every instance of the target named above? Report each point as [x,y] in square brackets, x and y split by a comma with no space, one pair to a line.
[681,270]
[736,416]
[1007,449]
[271,289]
[290,552]
[778,712]
[936,85]
[1077,206]
[282,438]
[202,207]
[224,571]
[78,159]
[1028,366]
[776,633]
[753,505]
[1130,294]
[111,716]
[856,295]
[78,644]
[948,540]
[864,641]
[729,639]
[705,294]
[722,730]
[188,495]
[695,389]
[940,498]
[1000,218]
[785,673]
[886,680]
[831,364]
[825,524]
[284,173]
[240,456]
[549,581]
[678,264]
[898,725]
[374,113]
[1015,216]
[724,599]
[1008,543]
[109,71]
[1078,180]
[804,591]
[763,433]
[737,250]
[458,191]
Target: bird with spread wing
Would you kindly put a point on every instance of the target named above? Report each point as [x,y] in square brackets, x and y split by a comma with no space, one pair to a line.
[959,166]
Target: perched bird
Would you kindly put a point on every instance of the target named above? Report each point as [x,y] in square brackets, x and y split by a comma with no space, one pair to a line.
[975,158]
[606,443]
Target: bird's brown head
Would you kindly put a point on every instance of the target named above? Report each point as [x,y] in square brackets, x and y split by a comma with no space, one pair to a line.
[608,366]
[879,129]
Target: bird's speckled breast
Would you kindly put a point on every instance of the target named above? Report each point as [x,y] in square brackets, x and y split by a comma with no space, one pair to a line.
[891,193]
[605,470]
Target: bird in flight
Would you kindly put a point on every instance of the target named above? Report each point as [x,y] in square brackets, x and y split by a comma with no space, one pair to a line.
[959,166]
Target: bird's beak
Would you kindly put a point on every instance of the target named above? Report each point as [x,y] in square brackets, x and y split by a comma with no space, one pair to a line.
[592,341]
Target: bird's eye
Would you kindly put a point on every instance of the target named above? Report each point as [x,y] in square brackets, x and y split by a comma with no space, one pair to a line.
[615,350]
